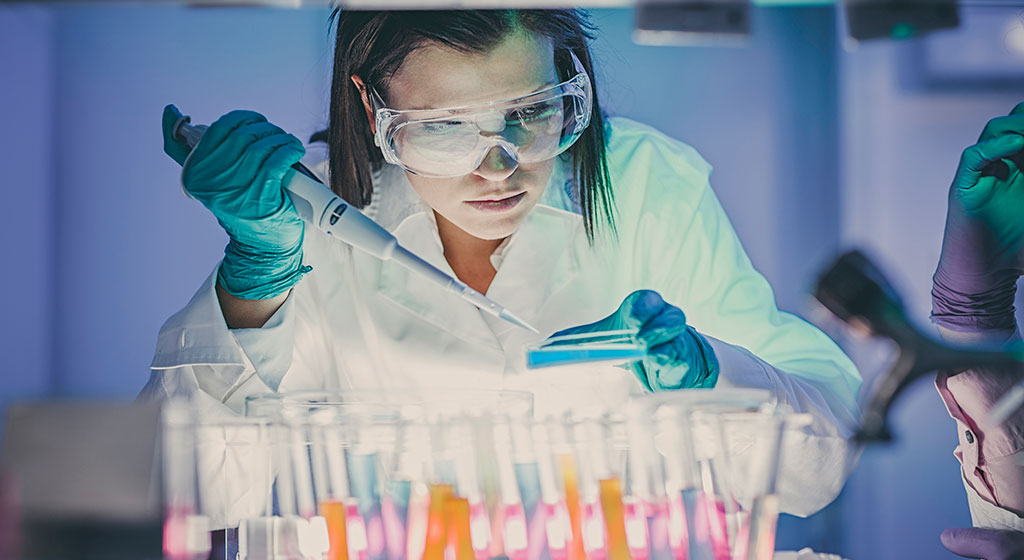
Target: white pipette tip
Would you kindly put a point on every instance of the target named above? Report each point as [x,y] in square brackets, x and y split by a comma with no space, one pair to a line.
[508,316]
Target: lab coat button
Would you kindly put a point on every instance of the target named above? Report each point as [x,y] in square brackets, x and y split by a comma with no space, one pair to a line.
[969,436]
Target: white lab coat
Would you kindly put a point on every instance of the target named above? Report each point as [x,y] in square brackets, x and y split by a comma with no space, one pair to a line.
[357,322]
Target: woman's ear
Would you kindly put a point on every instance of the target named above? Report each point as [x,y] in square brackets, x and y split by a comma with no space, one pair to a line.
[366,101]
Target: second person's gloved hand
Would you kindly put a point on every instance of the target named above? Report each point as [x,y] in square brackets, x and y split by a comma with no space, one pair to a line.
[238,171]
[989,544]
[983,247]
[678,357]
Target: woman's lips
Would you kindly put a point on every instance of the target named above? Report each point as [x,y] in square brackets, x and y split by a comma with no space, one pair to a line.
[501,205]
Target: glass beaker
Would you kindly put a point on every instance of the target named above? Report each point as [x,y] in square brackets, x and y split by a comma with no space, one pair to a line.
[721,449]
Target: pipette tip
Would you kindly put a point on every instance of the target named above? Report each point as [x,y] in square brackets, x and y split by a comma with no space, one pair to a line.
[508,316]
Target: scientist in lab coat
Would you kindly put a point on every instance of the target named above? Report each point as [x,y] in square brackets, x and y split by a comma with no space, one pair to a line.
[973,293]
[477,139]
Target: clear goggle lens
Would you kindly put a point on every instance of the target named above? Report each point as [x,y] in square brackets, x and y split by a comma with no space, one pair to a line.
[454,142]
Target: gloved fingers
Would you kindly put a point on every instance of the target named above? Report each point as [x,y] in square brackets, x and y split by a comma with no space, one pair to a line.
[274,155]
[223,128]
[177,149]
[669,364]
[641,306]
[237,143]
[1019,109]
[975,158]
[1013,123]
[990,544]
[663,327]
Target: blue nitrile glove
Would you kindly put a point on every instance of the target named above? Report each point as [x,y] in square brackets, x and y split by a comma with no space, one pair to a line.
[238,171]
[983,246]
[990,544]
[678,357]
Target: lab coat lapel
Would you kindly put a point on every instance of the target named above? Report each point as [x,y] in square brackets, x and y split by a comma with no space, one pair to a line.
[424,299]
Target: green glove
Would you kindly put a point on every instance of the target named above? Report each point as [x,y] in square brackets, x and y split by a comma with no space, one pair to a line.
[678,357]
[238,171]
[983,246]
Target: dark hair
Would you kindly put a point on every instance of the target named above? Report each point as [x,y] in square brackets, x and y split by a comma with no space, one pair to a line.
[373,45]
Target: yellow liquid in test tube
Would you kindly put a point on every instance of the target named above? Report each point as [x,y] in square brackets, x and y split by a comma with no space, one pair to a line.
[614,519]
[333,513]
[437,533]
[572,503]
[460,539]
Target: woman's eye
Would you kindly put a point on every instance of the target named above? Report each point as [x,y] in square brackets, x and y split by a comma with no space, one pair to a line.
[531,113]
[442,127]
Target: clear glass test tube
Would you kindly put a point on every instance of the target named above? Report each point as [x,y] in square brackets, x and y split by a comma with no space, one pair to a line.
[618,346]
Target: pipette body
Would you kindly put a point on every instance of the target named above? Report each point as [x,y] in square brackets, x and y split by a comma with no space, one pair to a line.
[321,207]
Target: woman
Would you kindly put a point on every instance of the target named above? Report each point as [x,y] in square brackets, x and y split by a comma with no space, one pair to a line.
[476,137]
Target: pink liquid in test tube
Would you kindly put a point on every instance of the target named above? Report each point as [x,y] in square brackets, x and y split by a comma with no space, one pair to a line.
[557,529]
[658,520]
[181,542]
[355,528]
[479,530]
[593,531]
[636,529]
[714,508]
[516,545]
[677,538]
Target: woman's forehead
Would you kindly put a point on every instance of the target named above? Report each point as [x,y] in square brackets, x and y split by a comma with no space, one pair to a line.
[436,76]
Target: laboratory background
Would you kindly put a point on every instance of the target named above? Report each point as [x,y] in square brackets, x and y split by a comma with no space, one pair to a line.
[819,143]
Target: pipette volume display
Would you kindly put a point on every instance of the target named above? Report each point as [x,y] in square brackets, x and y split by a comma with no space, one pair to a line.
[319,206]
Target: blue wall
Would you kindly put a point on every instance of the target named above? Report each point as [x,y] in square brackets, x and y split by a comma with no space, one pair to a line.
[27,282]
[814,148]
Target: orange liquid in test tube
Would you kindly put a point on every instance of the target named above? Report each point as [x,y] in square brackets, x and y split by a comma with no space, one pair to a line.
[460,539]
[437,533]
[614,519]
[572,503]
[334,513]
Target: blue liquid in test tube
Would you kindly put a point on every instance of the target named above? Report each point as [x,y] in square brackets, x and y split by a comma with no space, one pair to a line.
[557,355]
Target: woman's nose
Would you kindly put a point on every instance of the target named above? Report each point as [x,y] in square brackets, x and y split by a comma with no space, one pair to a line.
[499,163]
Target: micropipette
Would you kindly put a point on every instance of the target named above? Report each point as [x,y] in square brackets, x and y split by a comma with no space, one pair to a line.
[319,206]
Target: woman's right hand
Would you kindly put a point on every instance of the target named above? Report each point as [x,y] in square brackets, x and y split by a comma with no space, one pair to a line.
[238,171]
[983,247]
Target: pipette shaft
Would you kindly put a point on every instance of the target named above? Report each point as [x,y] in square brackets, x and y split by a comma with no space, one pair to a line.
[319,206]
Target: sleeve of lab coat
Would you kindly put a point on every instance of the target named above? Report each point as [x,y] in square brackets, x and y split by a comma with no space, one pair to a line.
[991,457]
[198,356]
[196,351]
[689,252]
[757,345]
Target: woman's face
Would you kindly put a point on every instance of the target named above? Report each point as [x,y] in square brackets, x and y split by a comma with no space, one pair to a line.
[492,201]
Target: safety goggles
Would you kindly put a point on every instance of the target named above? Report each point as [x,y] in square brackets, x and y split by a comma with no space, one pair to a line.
[453,142]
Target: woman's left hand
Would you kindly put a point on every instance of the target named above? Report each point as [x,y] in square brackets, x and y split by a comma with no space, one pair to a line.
[678,357]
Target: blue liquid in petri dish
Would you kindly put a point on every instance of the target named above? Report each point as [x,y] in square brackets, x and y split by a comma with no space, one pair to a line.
[566,354]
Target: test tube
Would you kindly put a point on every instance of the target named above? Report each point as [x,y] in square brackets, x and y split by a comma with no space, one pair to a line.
[555,515]
[645,498]
[559,437]
[331,476]
[186,532]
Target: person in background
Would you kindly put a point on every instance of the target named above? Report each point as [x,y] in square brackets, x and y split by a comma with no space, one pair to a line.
[972,302]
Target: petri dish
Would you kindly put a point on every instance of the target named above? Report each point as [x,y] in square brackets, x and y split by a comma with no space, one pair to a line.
[612,347]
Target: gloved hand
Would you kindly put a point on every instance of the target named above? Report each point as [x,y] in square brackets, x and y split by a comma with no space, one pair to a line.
[238,171]
[983,247]
[678,357]
[989,544]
